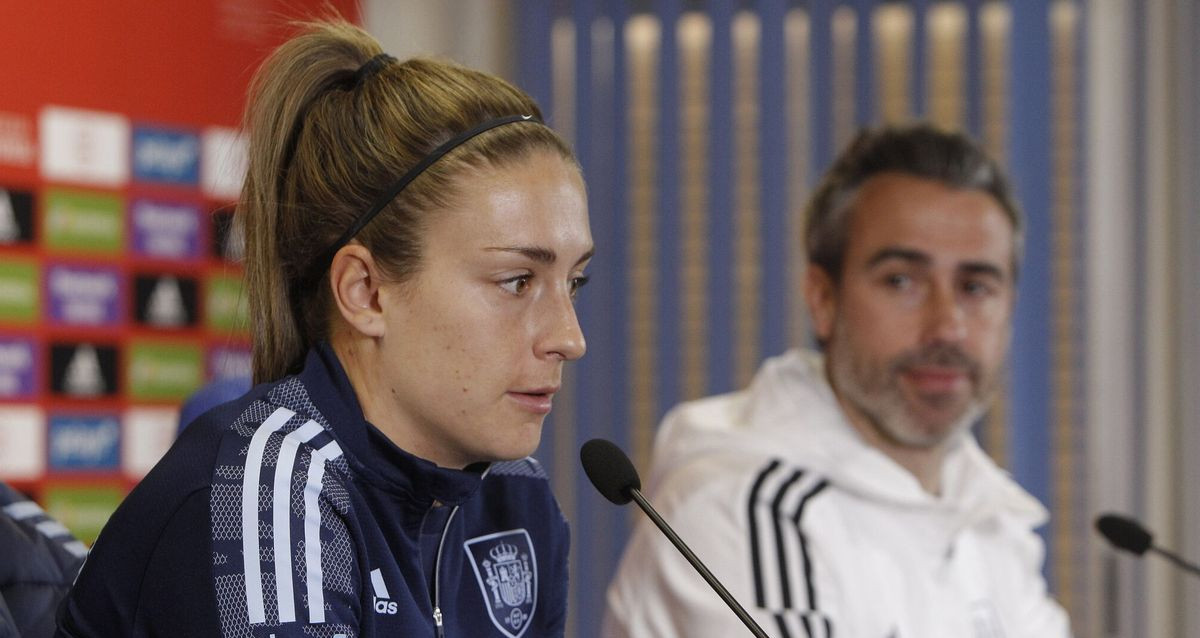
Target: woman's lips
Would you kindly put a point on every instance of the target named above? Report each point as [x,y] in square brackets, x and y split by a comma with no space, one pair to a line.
[538,401]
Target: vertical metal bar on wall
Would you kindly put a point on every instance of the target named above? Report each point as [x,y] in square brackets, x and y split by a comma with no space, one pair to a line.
[1139,362]
[560,432]
[1029,135]
[641,80]
[1188,26]
[721,203]
[1188,29]
[1111,207]
[695,42]
[1159,380]
[1065,131]
[797,71]
[775,241]
[747,248]
[670,338]
[1080,605]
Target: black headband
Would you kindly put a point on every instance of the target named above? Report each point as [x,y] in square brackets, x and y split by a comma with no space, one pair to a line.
[362,220]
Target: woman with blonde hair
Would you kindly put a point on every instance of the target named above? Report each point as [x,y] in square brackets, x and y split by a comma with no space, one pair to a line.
[415,239]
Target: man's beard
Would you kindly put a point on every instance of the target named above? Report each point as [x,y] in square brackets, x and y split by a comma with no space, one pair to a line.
[873,388]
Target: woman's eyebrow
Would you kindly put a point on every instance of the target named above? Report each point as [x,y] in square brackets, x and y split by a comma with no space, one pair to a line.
[539,253]
[536,253]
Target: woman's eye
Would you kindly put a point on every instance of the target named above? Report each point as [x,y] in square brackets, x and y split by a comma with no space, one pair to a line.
[577,283]
[516,285]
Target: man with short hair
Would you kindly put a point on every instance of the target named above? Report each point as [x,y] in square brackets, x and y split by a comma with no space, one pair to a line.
[842,494]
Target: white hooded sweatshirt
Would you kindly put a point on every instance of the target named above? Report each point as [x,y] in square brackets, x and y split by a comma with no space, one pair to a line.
[820,535]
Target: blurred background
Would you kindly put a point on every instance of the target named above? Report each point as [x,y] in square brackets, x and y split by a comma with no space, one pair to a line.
[701,127]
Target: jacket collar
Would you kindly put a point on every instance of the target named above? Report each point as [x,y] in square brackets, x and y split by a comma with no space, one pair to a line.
[793,400]
[372,455]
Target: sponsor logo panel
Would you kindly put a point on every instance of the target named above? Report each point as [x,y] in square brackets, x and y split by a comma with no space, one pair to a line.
[16,216]
[165,229]
[83,370]
[165,301]
[90,147]
[224,162]
[78,221]
[22,442]
[164,371]
[18,368]
[165,155]
[229,361]
[149,433]
[19,291]
[84,442]
[84,509]
[225,305]
[84,295]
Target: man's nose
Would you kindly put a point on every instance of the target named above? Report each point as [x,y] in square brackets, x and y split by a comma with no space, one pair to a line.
[945,317]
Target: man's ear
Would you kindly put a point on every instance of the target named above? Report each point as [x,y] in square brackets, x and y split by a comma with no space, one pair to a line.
[820,293]
[355,281]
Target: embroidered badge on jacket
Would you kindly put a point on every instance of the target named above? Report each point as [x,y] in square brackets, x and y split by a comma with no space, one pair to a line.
[506,569]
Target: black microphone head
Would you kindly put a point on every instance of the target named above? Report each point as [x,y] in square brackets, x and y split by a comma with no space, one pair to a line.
[610,470]
[1124,533]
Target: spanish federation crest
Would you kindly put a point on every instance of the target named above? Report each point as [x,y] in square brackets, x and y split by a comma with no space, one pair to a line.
[506,570]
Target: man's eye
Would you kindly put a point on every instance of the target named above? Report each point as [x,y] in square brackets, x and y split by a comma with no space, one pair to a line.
[977,288]
[516,285]
[899,281]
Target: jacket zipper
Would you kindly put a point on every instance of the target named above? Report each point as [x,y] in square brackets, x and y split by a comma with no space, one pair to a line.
[437,577]
[437,622]
[437,570]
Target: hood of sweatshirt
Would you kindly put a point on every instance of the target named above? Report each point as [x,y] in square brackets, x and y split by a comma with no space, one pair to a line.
[790,412]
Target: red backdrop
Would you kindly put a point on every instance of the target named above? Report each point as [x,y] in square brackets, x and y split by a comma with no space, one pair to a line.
[118,158]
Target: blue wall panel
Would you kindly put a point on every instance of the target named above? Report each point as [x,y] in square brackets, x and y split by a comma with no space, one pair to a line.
[721,202]
[821,27]
[1030,168]
[777,244]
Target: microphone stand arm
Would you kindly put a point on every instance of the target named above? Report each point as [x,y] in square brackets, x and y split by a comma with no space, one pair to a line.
[712,581]
[1178,560]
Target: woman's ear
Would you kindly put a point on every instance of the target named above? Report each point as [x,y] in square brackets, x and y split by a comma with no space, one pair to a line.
[355,281]
[820,294]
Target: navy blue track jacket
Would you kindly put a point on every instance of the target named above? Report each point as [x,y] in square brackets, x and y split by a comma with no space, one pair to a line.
[285,513]
[39,559]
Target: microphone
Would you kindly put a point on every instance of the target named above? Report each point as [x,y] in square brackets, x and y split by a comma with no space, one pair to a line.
[617,480]
[1127,534]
